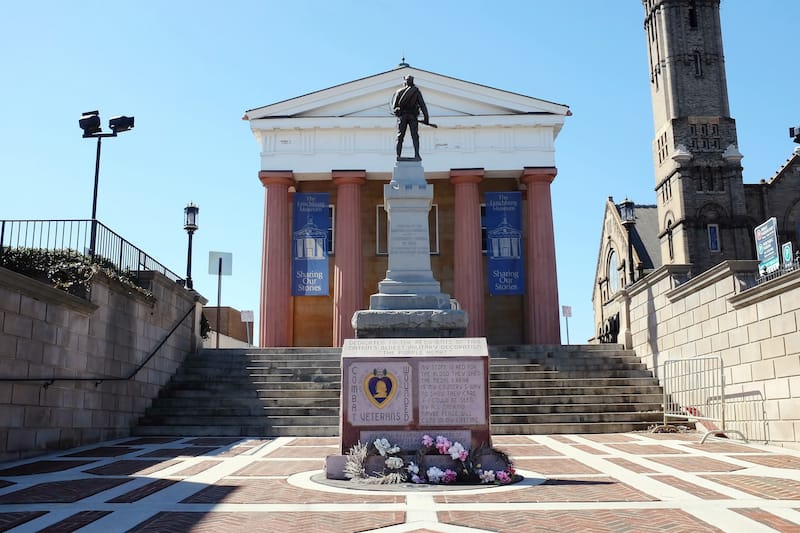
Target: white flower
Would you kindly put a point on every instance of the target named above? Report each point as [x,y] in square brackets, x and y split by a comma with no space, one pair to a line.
[394,463]
[385,448]
[434,474]
[457,451]
[412,468]
[487,476]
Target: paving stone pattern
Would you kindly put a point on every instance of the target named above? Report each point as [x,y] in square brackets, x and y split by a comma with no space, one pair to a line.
[632,482]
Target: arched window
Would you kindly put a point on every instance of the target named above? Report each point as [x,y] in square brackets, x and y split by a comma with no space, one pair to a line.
[612,270]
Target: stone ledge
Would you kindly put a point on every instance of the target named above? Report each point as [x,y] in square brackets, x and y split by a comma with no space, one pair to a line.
[410,323]
[44,292]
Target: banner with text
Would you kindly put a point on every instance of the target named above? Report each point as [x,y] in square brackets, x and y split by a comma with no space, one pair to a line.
[503,223]
[310,225]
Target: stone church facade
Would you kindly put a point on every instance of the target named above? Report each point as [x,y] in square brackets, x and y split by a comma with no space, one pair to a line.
[678,279]
[341,141]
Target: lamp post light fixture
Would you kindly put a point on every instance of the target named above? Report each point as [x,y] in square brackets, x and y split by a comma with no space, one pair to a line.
[628,217]
[190,213]
[90,124]
[794,133]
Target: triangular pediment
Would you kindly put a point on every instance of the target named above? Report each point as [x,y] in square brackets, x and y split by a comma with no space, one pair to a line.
[444,96]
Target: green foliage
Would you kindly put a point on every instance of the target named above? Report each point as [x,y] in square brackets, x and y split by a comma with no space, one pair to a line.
[67,270]
[205,327]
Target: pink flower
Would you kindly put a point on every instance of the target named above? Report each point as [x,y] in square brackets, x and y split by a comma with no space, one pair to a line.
[449,476]
[503,477]
[442,444]
[427,441]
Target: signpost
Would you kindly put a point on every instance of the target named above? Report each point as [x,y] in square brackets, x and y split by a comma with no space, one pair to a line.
[788,256]
[247,318]
[221,264]
[566,311]
[767,246]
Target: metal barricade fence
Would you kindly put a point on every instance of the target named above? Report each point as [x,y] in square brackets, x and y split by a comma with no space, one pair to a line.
[694,389]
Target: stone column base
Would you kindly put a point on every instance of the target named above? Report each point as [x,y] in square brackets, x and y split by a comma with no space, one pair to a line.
[410,323]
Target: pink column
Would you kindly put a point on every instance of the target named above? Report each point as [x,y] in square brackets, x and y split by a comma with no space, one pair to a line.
[468,278]
[348,277]
[275,308]
[543,323]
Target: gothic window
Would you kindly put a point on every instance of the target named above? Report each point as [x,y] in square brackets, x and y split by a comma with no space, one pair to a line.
[612,269]
[698,65]
[382,230]
[713,238]
[709,180]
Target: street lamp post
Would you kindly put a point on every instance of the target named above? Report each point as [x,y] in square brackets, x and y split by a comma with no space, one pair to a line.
[90,124]
[190,213]
[628,217]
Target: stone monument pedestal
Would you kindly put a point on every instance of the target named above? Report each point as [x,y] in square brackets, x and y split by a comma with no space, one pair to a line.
[409,302]
[402,389]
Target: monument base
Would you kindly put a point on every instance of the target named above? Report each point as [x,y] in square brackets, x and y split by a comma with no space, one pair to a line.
[410,323]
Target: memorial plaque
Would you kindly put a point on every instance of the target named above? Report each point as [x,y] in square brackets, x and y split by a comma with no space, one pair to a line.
[452,393]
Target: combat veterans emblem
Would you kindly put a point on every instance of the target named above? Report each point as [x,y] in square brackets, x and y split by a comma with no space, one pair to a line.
[380,387]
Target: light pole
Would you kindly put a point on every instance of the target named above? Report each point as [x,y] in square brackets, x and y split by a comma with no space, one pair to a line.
[90,124]
[628,217]
[190,213]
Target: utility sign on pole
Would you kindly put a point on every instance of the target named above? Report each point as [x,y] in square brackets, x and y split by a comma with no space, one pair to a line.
[566,310]
[219,264]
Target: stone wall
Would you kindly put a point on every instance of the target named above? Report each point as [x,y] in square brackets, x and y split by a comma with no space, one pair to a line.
[754,329]
[47,334]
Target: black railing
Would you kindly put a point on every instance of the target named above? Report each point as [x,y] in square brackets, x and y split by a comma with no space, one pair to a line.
[75,235]
[785,268]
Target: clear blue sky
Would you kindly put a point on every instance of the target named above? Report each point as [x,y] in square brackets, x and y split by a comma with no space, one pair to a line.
[189,70]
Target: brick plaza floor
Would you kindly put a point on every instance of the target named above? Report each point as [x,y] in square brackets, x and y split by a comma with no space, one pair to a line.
[632,482]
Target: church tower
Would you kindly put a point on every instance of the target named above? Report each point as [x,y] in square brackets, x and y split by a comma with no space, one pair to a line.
[700,194]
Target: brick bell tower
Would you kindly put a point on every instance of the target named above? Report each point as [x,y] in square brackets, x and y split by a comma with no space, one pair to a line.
[700,194]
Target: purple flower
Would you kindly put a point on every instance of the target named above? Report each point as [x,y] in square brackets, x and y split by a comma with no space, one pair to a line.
[503,477]
[449,476]
[427,441]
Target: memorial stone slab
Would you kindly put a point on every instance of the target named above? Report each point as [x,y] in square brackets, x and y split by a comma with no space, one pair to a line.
[401,389]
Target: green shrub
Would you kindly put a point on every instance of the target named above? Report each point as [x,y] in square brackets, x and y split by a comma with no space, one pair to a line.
[67,270]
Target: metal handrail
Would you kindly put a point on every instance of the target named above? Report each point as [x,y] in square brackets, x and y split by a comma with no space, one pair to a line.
[97,379]
[73,235]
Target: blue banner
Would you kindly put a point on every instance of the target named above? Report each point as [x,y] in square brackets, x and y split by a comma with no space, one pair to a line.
[310,224]
[503,224]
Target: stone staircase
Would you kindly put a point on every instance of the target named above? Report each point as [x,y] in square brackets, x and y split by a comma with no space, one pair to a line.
[295,392]
[256,392]
[598,388]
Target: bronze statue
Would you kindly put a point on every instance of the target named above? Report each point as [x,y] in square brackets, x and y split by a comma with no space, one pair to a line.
[407,103]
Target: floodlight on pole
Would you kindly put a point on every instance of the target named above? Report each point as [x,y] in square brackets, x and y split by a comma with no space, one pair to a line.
[90,124]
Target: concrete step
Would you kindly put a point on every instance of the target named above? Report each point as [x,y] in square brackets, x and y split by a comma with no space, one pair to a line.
[543,399]
[536,409]
[510,373]
[569,428]
[264,393]
[575,391]
[559,381]
[578,418]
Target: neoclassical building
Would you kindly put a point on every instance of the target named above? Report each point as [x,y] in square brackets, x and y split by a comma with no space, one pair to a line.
[341,141]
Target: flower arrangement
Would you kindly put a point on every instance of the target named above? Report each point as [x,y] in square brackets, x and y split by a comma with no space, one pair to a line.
[437,461]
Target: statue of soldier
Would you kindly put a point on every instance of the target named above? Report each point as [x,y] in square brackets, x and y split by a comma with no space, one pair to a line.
[407,103]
